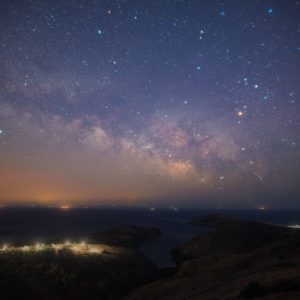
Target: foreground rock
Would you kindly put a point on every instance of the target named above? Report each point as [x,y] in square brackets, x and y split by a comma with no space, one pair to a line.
[125,236]
[238,260]
[65,275]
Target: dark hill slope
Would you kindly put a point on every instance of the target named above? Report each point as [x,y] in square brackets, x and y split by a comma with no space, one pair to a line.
[233,238]
[238,260]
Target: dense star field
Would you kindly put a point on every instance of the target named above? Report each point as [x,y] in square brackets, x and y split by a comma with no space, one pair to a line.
[193,102]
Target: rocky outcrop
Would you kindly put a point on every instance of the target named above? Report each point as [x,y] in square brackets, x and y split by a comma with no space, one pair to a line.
[64,275]
[130,236]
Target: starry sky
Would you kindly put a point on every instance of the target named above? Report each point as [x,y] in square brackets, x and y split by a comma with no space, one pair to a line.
[190,102]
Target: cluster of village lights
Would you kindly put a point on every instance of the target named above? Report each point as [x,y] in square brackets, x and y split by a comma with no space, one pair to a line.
[76,248]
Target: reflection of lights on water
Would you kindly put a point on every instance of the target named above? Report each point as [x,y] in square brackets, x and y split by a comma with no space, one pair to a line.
[76,248]
[152,208]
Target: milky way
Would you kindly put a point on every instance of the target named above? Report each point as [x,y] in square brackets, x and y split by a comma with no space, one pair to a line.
[188,102]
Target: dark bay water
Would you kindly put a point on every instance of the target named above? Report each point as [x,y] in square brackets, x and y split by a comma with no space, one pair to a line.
[39,224]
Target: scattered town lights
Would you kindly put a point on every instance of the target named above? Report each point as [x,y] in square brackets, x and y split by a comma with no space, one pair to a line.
[76,248]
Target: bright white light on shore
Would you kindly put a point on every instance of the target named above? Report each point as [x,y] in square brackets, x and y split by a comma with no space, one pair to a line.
[65,207]
[4,247]
[39,247]
[25,248]
[296,226]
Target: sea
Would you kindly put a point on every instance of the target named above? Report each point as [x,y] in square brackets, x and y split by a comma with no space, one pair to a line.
[33,224]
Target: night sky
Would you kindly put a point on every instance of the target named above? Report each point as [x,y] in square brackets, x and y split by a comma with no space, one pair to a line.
[187,102]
